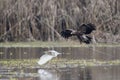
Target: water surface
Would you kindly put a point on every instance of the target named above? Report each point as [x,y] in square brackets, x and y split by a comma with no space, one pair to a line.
[21,72]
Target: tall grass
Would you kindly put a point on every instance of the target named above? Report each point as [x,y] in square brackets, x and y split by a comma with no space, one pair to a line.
[29,20]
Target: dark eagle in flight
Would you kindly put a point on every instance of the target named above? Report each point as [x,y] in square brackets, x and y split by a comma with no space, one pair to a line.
[81,33]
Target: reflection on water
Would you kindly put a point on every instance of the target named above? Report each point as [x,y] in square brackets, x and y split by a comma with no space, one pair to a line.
[88,73]
[55,73]
[48,74]
[106,73]
[91,73]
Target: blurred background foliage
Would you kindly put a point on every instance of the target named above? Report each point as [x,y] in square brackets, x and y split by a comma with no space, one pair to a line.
[30,20]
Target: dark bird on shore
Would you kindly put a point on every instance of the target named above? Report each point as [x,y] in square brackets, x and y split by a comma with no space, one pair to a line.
[81,33]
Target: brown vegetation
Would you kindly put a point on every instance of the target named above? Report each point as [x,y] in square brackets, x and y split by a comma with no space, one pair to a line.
[27,20]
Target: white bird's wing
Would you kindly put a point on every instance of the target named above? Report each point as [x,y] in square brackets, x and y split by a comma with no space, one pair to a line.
[44,59]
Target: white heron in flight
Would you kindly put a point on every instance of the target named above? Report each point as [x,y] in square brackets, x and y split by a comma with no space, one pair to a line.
[48,56]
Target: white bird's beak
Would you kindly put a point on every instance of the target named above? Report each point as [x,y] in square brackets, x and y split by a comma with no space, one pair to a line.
[53,52]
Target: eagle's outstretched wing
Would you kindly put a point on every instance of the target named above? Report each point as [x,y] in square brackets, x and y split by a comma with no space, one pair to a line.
[86,28]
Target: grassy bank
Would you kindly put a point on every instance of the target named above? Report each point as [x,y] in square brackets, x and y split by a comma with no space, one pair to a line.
[54,44]
[60,63]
